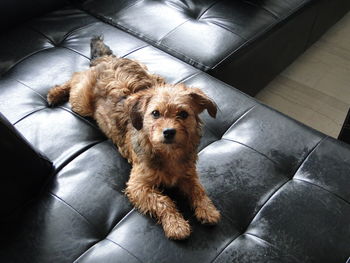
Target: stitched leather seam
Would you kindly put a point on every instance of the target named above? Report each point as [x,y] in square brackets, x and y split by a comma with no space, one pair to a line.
[133,51]
[268,200]
[324,189]
[42,34]
[191,61]
[271,245]
[258,238]
[42,97]
[308,155]
[77,212]
[207,9]
[86,251]
[277,190]
[24,58]
[227,29]
[263,8]
[27,115]
[247,233]
[75,155]
[75,51]
[187,78]
[80,117]
[171,31]
[200,152]
[222,250]
[72,31]
[124,217]
[240,118]
[139,260]
[274,162]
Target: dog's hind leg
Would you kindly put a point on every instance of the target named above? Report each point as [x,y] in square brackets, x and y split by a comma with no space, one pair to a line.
[58,94]
[81,95]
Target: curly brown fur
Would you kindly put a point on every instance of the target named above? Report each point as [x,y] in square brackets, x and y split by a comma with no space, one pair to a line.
[140,113]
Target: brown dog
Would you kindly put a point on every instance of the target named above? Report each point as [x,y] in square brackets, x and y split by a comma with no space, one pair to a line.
[155,126]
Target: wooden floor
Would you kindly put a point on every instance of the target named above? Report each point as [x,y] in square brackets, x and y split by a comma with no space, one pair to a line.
[315,89]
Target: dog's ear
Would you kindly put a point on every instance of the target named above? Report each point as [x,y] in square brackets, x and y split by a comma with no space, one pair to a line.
[203,101]
[138,105]
[136,116]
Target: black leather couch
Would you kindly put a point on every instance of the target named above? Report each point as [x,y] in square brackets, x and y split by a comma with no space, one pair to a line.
[282,188]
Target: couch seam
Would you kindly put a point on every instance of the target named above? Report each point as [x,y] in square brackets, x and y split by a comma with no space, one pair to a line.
[256,237]
[239,119]
[171,31]
[275,15]
[24,58]
[86,251]
[277,190]
[192,75]
[69,33]
[123,218]
[27,86]
[133,50]
[270,244]
[139,260]
[227,29]
[75,155]
[27,115]
[324,189]
[99,240]
[251,148]
[308,155]
[79,117]
[207,9]
[268,199]
[42,34]
[74,51]
[77,212]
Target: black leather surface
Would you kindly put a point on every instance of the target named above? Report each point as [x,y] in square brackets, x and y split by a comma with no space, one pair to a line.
[244,43]
[281,186]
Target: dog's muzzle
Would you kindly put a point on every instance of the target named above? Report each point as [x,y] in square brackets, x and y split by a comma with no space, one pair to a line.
[169,135]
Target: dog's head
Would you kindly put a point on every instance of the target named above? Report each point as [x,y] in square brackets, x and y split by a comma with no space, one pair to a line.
[168,116]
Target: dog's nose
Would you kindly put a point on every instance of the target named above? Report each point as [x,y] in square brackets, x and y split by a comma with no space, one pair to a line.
[169,133]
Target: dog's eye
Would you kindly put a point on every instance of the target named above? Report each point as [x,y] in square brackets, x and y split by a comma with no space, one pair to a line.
[183,114]
[155,114]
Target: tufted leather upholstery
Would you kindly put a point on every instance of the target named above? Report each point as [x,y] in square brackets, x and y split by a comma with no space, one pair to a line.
[243,42]
[282,187]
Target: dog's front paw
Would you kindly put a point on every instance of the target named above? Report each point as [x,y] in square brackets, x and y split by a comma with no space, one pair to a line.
[176,227]
[207,214]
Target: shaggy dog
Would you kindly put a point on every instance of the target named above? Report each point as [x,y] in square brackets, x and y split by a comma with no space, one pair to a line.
[155,126]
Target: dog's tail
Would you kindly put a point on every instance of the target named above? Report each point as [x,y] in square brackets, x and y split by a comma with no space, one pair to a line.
[98,48]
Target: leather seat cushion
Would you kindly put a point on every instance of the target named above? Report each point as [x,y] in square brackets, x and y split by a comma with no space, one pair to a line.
[202,33]
[243,43]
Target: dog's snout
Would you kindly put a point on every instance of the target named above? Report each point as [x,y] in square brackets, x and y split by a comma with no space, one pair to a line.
[169,133]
